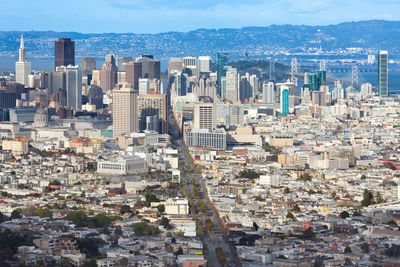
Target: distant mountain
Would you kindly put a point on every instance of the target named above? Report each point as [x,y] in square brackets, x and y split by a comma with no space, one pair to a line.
[373,34]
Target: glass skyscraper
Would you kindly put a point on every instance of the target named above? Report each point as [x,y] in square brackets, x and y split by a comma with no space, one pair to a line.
[284,101]
[222,60]
[383,73]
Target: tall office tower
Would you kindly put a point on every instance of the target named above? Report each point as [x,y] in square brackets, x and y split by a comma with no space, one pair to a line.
[96,77]
[122,60]
[305,95]
[153,105]
[204,65]
[53,81]
[366,90]
[144,86]
[383,73]
[121,77]
[284,100]
[74,87]
[230,114]
[313,82]
[174,65]
[222,60]
[371,59]
[22,67]
[108,76]
[327,95]
[150,67]
[205,116]
[64,52]
[154,70]
[245,88]
[306,78]
[321,78]
[133,72]
[205,87]
[318,98]
[189,62]
[88,64]
[232,85]
[254,83]
[125,108]
[181,83]
[268,93]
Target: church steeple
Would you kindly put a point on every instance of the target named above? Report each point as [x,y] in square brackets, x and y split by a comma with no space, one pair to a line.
[22,57]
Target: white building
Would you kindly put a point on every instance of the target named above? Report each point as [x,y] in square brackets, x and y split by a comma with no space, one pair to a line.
[177,206]
[122,166]
[205,138]
[269,180]
[204,64]
[125,117]
[268,93]
[74,87]
[22,67]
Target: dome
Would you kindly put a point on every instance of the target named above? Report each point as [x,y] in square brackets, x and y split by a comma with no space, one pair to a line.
[41,117]
[94,91]
[41,111]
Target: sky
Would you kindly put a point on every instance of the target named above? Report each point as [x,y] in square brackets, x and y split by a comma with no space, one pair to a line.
[155,16]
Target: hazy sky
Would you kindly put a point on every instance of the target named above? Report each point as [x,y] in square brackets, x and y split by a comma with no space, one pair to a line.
[153,16]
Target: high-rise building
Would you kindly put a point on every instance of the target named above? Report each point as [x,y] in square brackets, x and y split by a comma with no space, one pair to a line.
[268,93]
[205,116]
[189,62]
[150,67]
[232,85]
[108,76]
[383,73]
[74,87]
[88,64]
[366,90]
[64,52]
[174,65]
[133,72]
[144,86]
[22,67]
[204,65]
[284,100]
[245,88]
[125,108]
[321,78]
[122,60]
[181,83]
[254,83]
[222,60]
[313,82]
[150,106]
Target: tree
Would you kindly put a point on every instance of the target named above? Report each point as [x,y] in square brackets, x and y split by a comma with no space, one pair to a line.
[101,220]
[16,214]
[90,246]
[290,216]
[43,213]
[286,191]
[165,222]
[125,209]
[250,174]
[209,224]
[296,208]
[179,251]
[363,177]
[347,250]
[79,218]
[144,229]
[221,256]
[118,230]
[308,233]
[90,263]
[368,198]
[365,248]
[344,214]
[161,208]
[379,198]
[199,230]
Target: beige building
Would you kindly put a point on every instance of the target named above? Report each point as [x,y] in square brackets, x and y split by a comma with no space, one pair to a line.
[16,146]
[279,140]
[125,117]
[205,116]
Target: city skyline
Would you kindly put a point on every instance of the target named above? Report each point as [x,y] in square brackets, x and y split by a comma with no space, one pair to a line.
[170,15]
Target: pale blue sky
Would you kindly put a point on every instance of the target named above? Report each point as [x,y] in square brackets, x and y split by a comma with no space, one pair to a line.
[153,16]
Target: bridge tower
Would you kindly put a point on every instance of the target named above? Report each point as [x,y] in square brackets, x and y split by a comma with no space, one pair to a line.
[354,75]
[322,65]
[272,69]
[294,67]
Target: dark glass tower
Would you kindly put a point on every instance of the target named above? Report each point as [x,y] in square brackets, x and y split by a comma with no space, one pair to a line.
[64,52]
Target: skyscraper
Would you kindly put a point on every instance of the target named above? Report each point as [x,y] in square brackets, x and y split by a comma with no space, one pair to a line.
[150,67]
[88,64]
[153,105]
[108,76]
[313,82]
[204,65]
[125,108]
[222,60]
[64,52]
[122,61]
[74,87]
[133,72]
[232,85]
[205,116]
[268,93]
[22,67]
[383,73]
[284,100]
